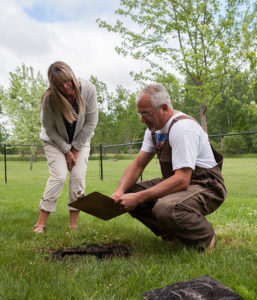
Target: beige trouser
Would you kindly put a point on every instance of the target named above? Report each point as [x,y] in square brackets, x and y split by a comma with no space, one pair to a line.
[57,166]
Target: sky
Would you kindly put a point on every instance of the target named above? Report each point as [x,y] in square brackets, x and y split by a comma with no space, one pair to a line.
[39,32]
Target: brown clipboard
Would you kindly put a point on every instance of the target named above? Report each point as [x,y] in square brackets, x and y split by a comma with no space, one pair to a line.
[98,205]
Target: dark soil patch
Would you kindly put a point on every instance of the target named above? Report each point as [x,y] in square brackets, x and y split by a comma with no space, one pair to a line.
[100,251]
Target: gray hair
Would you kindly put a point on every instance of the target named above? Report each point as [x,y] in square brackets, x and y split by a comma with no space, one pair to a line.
[158,94]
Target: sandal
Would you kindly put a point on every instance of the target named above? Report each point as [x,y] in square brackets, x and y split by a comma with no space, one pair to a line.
[73,227]
[39,229]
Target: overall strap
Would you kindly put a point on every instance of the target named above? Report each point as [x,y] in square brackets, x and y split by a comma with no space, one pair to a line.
[217,156]
[172,123]
[181,118]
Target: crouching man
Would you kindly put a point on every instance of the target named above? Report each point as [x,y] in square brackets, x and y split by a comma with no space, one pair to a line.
[174,206]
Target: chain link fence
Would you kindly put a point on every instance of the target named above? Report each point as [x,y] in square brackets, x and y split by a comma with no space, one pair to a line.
[240,161]
[239,167]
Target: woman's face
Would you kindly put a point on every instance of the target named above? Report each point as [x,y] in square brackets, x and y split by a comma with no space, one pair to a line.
[66,88]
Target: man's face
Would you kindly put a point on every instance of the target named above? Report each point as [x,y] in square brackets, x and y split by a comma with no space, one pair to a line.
[150,115]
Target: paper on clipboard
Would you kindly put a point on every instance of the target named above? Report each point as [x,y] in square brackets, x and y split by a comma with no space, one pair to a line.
[98,205]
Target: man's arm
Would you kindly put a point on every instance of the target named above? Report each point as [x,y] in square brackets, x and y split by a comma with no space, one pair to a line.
[178,182]
[132,173]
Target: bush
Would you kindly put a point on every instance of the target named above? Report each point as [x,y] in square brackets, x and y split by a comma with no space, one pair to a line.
[234,144]
[254,143]
[216,145]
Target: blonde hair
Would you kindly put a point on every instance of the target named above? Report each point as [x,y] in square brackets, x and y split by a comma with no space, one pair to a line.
[58,73]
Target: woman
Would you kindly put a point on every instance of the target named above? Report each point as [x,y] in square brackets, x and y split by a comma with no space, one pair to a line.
[69,116]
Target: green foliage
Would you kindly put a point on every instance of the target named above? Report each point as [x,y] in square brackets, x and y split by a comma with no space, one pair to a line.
[217,146]
[237,110]
[253,143]
[118,121]
[235,144]
[3,124]
[3,133]
[204,41]
[21,102]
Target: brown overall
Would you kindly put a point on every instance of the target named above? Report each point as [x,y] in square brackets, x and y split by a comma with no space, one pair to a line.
[181,214]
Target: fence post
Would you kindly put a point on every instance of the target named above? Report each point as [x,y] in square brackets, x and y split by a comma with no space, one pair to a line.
[5,165]
[101,162]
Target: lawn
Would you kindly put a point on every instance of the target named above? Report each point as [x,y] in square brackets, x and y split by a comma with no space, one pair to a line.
[27,273]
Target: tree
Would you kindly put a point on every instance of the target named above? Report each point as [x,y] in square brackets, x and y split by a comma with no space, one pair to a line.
[21,103]
[104,130]
[118,121]
[129,126]
[203,40]
[3,131]
[237,110]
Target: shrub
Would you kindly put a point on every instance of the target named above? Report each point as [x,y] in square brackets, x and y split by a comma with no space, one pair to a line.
[216,145]
[234,144]
[254,143]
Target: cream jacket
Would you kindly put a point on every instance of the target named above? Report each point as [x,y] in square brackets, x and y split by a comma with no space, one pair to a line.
[53,130]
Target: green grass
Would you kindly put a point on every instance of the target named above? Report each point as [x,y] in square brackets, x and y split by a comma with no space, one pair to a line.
[240,175]
[25,273]
[240,172]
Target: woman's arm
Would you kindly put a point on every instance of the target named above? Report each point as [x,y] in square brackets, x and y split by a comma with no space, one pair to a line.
[91,116]
[48,121]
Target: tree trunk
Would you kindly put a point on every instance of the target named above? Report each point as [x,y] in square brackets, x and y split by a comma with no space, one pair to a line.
[36,155]
[203,116]
[31,161]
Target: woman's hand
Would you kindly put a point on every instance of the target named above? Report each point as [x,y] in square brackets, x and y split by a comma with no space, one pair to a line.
[70,159]
[75,153]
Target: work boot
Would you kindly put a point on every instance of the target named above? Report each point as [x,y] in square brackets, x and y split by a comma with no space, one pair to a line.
[212,245]
[169,239]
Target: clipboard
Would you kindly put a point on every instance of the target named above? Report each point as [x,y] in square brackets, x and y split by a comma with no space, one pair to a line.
[98,205]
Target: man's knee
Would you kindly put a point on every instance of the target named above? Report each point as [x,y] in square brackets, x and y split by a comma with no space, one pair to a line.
[173,215]
[162,212]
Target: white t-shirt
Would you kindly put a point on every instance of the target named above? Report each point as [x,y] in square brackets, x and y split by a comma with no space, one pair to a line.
[189,143]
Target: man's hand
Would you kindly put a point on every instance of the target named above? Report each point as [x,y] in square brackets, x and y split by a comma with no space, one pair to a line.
[128,201]
[70,160]
[115,196]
